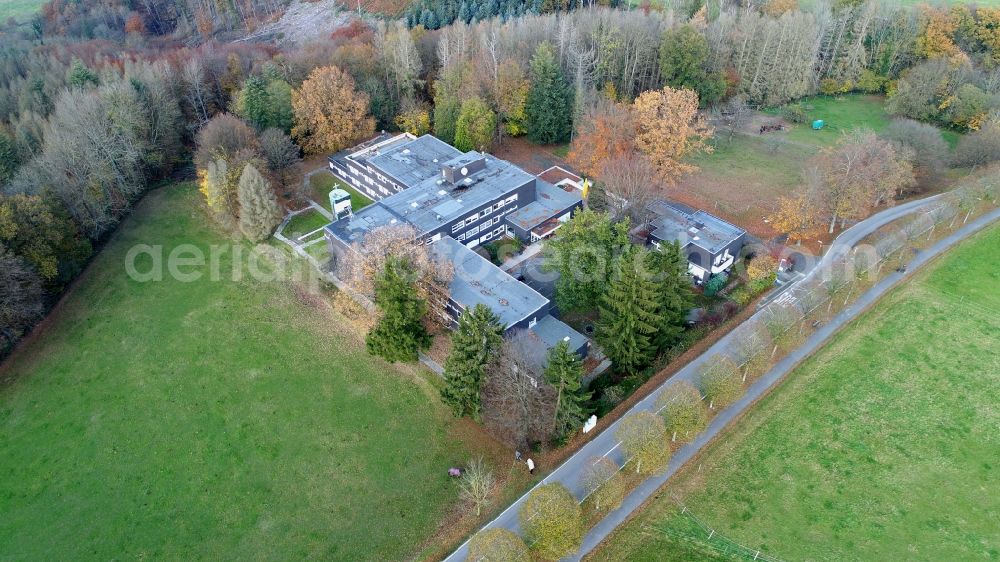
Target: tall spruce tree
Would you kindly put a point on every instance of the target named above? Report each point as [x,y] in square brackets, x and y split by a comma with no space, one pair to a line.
[478,336]
[550,100]
[399,334]
[564,372]
[259,209]
[673,292]
[629,313]
[253,103]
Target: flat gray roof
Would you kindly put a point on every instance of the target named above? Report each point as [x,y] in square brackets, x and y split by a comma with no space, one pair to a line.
[550,201]
[551,330]
[414,161]
[434,202]
[478,281]
[674,223]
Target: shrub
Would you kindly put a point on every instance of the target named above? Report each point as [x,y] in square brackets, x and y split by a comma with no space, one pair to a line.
[795,113]
[741,296]
[716,284]
[871,83]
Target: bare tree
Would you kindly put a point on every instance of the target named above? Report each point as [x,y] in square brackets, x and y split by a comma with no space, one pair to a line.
[630,183]
[476,485]
[518,405]
[735,114]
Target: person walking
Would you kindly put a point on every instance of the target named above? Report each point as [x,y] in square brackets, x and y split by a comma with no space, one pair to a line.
[517,456]
[531,466]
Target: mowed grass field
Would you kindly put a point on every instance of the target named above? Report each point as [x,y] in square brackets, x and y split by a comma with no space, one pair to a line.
[884,446]
[19,9]
[214,421]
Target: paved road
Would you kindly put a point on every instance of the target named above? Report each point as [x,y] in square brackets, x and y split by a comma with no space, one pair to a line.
[606,445]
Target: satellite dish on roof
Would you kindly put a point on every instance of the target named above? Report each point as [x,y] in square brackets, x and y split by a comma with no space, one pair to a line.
[465,171]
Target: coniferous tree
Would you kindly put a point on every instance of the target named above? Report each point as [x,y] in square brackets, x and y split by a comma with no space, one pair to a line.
[564,372]
[80,75]
[252,103]
[399,334]
[259,210]
[629,315]
[478,336]
[673,292]
[550,99]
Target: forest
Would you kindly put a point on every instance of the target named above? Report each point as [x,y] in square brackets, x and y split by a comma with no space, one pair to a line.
[101,101]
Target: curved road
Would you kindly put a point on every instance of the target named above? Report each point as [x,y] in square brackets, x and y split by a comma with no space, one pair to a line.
[606,445]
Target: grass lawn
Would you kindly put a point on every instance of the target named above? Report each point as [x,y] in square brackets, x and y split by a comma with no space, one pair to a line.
[20,10]
[881,447]
[843,113]
[322,184]
[214,420]
[304,223]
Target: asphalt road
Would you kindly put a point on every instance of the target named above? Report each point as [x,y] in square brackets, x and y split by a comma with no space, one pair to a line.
[606,445]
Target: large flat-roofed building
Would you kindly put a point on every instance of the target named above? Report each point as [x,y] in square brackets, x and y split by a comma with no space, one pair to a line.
[471,197]
[456,201]
[389,164]
[710,243]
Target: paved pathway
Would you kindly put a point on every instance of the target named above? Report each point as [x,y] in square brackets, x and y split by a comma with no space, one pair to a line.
[606,445]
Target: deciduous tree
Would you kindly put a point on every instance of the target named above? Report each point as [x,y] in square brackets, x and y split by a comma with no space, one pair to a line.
[670,128]
[475,126]
[684,412]
[606,133]
[603,483]
[477,484]
[644,439]
[330,114]
[517,404]
[497,545]
[552,521]
[685,63]
[20,297]
[721,381]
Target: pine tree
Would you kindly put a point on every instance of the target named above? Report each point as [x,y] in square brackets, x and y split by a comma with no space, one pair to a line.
[673,292]
[399,334]
[629,314]
[259,210]
[478,336]
[564,372]
[463,13]
[550,99]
